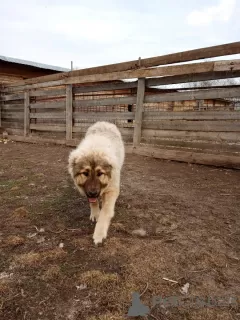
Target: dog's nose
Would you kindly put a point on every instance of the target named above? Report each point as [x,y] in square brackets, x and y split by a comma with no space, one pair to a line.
[93,194]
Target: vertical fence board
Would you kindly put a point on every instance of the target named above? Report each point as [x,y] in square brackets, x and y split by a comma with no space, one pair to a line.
[139,112]
[69,112]
[26,113]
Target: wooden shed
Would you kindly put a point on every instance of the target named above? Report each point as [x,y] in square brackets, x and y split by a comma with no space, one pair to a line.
[12,69]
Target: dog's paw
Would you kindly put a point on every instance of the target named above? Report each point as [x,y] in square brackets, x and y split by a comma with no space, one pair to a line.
[99,235]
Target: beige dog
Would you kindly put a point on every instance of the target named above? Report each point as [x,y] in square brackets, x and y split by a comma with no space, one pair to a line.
[95,167]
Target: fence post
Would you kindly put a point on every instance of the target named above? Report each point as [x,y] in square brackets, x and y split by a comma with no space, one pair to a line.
[69,111]
[26,113]
[139,111]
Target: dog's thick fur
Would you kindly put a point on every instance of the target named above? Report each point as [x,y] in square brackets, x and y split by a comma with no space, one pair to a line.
[95,167]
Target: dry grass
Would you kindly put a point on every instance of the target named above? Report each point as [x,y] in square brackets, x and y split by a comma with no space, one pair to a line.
[107,316]
[14,241]
[19,213]
[29,259]
[4,286]
[98,279]
[33,259]
[53,272]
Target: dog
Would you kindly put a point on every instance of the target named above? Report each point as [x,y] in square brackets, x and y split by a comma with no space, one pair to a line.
[95,167]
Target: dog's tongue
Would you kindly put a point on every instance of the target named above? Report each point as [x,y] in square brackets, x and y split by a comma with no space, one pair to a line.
[92,200]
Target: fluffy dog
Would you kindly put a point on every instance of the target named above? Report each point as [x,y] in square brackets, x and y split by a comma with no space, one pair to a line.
[95,167]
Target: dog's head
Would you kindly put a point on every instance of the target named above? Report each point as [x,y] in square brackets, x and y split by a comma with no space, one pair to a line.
[91,176]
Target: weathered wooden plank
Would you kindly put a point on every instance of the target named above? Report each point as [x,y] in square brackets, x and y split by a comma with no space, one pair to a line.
[48,115]
[139,112]
[26,113]
[50,105]
[38,140]
[12,115]
[104,102]
[192,135]
[185,125]
[52,127]
[48,93]
[83,129]
[194,77]
[196,54]
[13,107]
[69,112]
[191,115]
[204,145]
[228,161]
[12,124]
[9,97]
[105,87]
[11,131]
[103,115]
[194,95]
[140,73]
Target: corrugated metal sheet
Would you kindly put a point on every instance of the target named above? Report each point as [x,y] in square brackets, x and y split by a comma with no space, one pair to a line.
[33,64]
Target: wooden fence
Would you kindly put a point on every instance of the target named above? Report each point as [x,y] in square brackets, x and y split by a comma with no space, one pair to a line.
[198,126]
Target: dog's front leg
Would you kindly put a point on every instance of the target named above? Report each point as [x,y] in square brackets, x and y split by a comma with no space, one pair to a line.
[106,214]
[94,206]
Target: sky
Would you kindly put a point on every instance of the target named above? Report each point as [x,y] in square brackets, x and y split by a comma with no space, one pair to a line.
[94,32]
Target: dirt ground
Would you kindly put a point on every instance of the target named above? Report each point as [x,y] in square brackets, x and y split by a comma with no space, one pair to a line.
[50,268]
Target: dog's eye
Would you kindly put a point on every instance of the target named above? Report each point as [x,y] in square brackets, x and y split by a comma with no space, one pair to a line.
[85,173]
[99,174]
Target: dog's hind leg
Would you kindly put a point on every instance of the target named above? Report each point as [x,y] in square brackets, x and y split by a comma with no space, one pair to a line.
[105,216]
[94,206]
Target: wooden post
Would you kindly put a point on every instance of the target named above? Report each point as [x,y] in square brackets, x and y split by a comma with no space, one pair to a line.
[69,112]
[26,113]
[139,110]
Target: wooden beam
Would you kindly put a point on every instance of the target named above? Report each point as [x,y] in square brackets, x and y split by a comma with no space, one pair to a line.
[26,113]
[103,115]
[200,145]
[49,127]
[192,135]
[228,65]
[104,102]
[48,105]
[191,115]
[196,54]
[139,112]
[13,115]
[228,161]
[105,87]
[69,112]
[183,125]
[48,115]
[13,107]
[194,95]
[48,93]
[194,77]
[9,97]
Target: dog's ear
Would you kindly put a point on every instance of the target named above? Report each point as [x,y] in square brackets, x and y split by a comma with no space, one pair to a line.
[72,161]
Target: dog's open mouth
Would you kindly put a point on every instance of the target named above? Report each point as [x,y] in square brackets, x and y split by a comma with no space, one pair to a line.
[92,200]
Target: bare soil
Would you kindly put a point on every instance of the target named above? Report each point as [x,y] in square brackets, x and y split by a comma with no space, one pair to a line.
[50,268]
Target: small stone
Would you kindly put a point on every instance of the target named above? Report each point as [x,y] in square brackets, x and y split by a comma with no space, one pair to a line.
[139,232]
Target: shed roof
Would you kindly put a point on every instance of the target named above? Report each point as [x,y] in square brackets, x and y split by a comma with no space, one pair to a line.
[33,64]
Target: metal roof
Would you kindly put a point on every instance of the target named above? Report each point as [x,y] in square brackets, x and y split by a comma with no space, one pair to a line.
[33,64]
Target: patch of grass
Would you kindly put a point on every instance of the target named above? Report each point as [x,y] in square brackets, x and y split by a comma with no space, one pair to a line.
[107,316]
[53,272]
[4,286]
[98,279]
[14,241]
[33,259]
[29,259]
